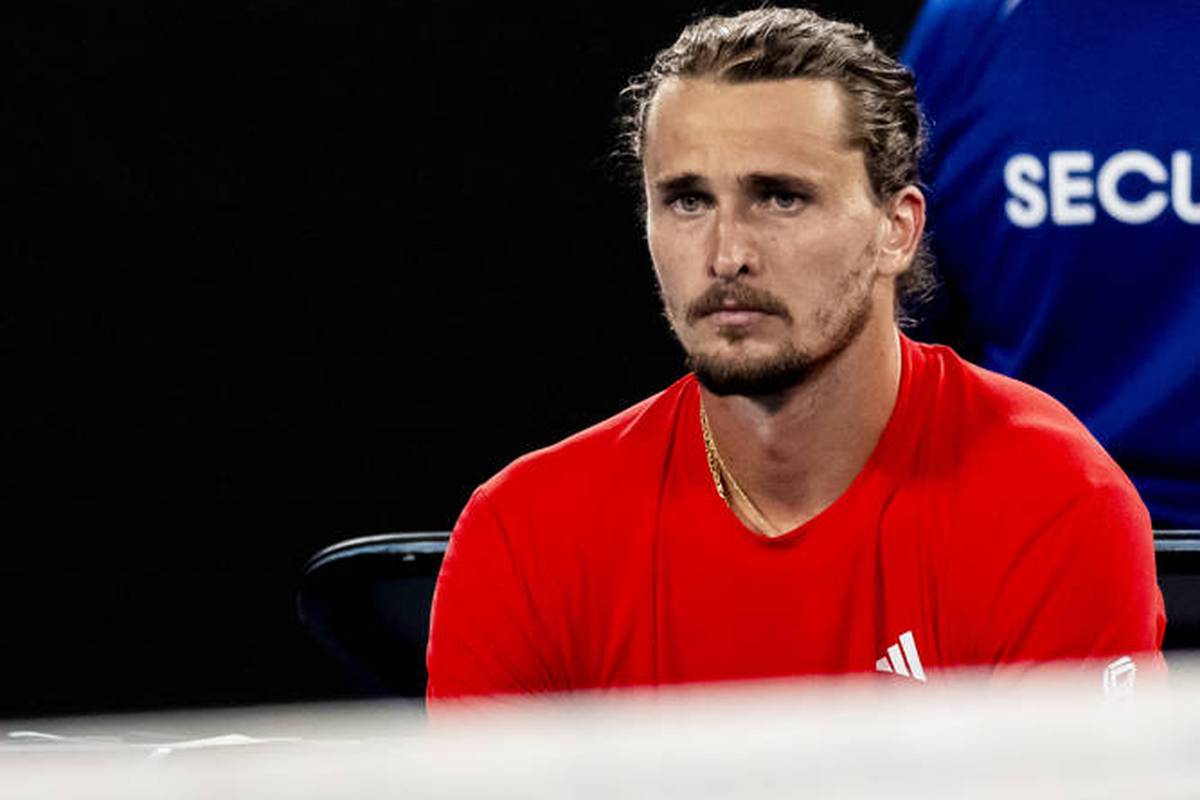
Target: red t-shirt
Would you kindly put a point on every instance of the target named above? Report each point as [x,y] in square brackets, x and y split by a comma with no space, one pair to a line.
[987,528]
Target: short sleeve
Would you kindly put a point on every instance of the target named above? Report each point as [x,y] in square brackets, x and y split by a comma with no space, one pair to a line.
[485,639]
[1082,590]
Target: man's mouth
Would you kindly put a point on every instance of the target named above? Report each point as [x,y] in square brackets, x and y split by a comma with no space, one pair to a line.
[736,315]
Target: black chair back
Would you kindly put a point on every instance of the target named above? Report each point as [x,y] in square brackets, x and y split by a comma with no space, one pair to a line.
[1178,556]
[367,602]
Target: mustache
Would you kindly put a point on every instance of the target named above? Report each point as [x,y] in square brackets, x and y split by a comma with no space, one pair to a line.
[720,296]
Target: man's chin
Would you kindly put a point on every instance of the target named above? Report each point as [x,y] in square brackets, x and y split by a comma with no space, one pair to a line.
[760,378]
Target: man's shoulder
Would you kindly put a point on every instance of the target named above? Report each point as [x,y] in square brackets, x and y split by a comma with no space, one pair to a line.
[630,442]
[1007,431]
[1020,475]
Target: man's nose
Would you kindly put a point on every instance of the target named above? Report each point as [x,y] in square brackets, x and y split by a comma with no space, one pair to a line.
[733,252]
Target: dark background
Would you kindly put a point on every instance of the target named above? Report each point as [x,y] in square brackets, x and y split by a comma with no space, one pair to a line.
[281,273]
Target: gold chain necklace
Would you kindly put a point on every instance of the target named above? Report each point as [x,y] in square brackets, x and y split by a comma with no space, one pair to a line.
[721,475]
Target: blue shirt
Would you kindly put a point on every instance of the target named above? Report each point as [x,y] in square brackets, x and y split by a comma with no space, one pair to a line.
[1064,171]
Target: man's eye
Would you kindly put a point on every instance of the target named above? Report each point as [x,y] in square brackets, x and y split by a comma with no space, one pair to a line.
[688,203]
[785,201]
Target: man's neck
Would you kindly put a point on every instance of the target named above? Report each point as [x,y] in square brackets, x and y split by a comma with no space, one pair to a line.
[794,454]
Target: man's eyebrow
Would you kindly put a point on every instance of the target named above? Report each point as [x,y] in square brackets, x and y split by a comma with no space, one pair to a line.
[778,182]
[686,182]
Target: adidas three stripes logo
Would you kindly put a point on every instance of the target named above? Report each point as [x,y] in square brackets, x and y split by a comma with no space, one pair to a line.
[902,659]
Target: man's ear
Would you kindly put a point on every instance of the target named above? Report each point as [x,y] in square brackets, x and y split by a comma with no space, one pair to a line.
[902,229]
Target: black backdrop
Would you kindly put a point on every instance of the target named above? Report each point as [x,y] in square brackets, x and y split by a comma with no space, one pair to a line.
[281,273]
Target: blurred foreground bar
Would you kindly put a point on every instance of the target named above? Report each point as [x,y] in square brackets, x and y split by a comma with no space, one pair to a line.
[827,739]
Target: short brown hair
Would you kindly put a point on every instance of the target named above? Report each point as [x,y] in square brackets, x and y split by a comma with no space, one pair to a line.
[777,43]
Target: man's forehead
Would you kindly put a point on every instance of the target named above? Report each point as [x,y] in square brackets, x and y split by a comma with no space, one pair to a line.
[814,107]
[695,124]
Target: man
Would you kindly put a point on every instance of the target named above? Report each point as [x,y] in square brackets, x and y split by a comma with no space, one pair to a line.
[821,495]
[1066,215]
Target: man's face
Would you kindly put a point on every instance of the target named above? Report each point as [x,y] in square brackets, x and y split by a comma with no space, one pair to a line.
[763,229]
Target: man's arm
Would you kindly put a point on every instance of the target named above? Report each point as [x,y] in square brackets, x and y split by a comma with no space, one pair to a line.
[485,638]
[1083,589]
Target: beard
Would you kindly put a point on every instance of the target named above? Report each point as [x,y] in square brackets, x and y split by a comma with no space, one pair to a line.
[790,366]
[755,377]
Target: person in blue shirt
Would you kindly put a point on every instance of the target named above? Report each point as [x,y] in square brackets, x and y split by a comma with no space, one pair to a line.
[1065,214]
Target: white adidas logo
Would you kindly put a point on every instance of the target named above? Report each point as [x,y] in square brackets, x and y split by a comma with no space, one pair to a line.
[1119,676]
[907,663]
